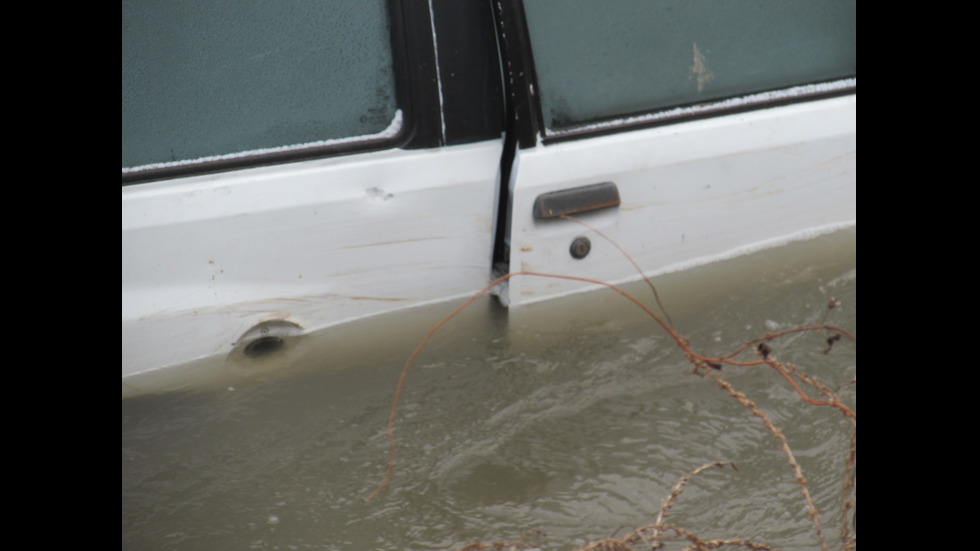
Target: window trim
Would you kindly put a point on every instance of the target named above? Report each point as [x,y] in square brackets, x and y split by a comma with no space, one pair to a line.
[418,107]
[702,110]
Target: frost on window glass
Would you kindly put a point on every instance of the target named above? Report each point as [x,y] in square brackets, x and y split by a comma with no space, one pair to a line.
[600,60]
[220,78]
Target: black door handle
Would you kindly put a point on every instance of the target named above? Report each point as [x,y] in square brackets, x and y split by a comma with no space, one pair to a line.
[576,200]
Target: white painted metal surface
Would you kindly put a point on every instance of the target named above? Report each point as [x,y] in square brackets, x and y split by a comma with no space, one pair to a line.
[316,243]
[691,193]
[207,260]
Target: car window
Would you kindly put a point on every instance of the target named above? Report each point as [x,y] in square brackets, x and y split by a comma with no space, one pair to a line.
[226,78]
[599,60]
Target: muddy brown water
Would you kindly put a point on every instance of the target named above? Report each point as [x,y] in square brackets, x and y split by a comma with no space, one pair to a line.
[571,418]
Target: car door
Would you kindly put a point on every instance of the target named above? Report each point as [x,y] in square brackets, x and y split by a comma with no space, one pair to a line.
[288,167]
[685,131]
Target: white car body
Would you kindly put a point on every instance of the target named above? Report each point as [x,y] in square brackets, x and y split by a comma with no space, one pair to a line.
[213,263]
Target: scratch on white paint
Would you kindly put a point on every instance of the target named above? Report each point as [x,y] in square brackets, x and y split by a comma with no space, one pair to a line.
[393,129]
[378,193]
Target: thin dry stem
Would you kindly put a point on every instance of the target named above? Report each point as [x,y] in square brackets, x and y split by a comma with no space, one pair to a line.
[699,544]
[454,313]
[679,340]
[656,295]
[675,492]
[712,366]
[798,472]
[850,491]
[502,545]
[803,328]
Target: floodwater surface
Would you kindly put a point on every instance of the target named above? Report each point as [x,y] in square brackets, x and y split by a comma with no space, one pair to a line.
[563,422]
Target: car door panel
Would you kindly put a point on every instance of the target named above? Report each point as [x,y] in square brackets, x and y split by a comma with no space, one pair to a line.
[316,244]
[722,128]
[690,192]
[232,259]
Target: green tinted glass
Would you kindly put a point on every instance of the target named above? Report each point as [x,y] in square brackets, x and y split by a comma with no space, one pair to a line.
[599,60]
[227,77]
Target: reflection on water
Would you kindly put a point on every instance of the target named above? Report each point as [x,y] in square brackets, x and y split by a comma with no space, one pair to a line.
[574,418]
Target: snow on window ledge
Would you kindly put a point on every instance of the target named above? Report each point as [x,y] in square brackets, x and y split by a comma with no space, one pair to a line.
[390,132]
[759,99]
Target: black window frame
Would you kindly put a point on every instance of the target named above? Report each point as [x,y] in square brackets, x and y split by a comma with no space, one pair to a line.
[472,89]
